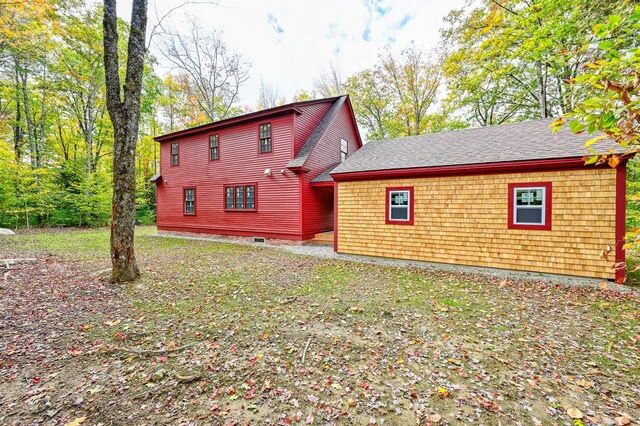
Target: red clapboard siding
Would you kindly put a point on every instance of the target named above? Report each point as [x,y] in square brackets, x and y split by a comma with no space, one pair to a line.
[307,122]
[287,206]
[317,202]
[277,196]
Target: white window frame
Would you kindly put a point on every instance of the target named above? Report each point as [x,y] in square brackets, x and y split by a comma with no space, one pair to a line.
[408,206]
[542,207]
[344,150]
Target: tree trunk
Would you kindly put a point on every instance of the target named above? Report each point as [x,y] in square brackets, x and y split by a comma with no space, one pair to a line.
[41,128]
[123,259]
[27,116]
[18,132]
[63,144]
[125,117]
[542,89]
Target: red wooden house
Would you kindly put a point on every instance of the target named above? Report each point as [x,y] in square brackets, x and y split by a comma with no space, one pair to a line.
[252,175]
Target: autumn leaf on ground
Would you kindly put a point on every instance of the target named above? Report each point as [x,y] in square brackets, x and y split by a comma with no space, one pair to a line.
[623,420]
[575,413]
[76,422]
[434,419]
[584,383]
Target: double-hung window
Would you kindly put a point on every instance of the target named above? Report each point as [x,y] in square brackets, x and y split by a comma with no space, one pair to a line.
[530,205]
[214,147]
[174,154]
[240,197]
[399,209]
[344,146]
[190,201]
[265,138]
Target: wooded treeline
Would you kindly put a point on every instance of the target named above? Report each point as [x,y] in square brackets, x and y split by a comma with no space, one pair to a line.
[498,61]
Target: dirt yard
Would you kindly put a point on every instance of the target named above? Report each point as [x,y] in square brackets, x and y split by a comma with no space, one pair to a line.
[233,335]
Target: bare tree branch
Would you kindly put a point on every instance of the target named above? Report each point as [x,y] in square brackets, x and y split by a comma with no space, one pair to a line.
[269,96]
[215,73]
[330,82]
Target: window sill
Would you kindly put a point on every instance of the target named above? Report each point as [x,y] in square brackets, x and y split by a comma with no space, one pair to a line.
[399,222]
[189,214]
[531,227]
[240,210]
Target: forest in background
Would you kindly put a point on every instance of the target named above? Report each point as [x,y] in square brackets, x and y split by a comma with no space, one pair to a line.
[498,62]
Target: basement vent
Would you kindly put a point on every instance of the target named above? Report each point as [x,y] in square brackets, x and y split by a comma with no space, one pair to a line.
[257,239]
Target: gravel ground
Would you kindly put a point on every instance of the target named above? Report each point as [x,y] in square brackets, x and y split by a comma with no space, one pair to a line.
[326,251]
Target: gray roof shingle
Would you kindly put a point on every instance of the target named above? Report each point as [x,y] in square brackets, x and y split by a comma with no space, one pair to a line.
[317,133]
[325,176]
[528,140]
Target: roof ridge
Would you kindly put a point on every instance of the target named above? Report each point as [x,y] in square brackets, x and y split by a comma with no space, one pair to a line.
[245,116]
[523,141]
[466,129]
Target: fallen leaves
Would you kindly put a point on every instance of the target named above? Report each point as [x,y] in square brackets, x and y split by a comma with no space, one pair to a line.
[76,422]
[443,393]
[360,344]
[584,383]
[623,420]
[575,413]
[188,378]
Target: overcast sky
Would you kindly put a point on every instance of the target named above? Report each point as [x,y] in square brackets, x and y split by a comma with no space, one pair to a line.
[288,42]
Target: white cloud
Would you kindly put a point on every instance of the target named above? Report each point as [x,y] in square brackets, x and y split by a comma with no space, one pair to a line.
[288,42]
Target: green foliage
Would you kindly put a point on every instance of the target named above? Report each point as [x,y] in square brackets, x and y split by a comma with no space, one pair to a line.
[512,61]
[398,96]
[633,194]
[55,138]
[145,200]
[60,196]
[82,201]
[612,82]
[612,104]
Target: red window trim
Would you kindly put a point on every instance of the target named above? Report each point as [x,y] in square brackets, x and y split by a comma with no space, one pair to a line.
[271,137]
[184,201]
[212,134]
[171,154]
[244,197]
[547,202]
[389,221]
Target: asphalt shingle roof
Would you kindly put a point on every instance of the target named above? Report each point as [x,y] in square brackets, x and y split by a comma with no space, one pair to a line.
[326,175]
[529,140]
[317,133]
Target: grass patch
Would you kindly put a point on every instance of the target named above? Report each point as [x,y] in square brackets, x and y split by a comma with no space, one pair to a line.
[268,334]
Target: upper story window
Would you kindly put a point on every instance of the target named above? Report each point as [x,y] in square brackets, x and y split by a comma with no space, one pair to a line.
[189,201]
[265,138]
[214,147]
[174,154]
[240,197]
[344,146]
[400,206]
[530,205]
